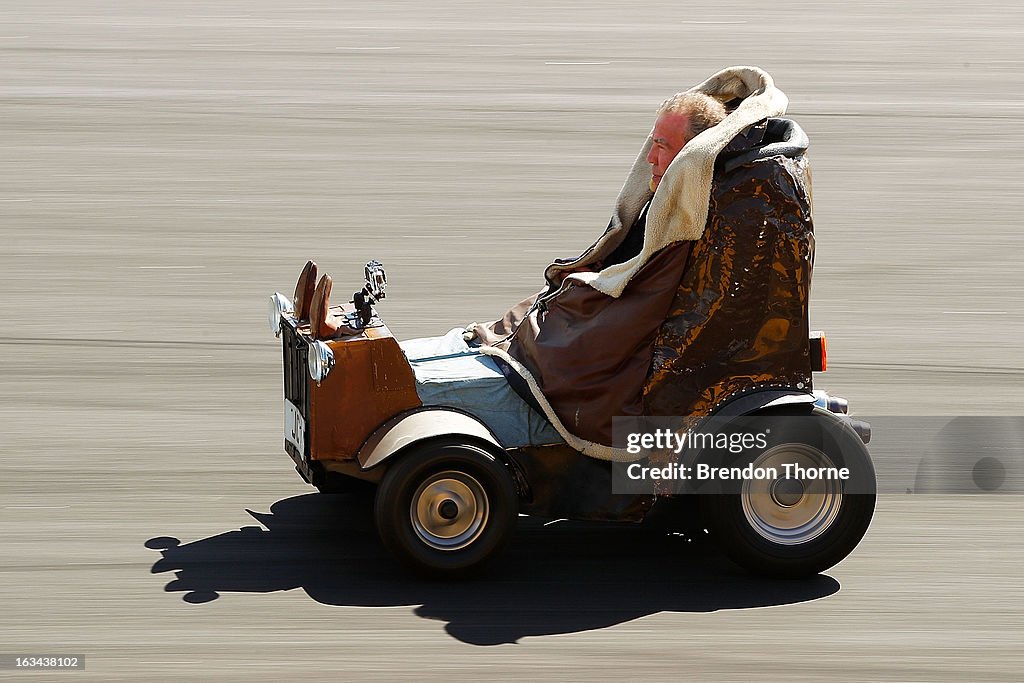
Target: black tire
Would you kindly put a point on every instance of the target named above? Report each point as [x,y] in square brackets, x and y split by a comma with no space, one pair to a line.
[438,479]
[753,530]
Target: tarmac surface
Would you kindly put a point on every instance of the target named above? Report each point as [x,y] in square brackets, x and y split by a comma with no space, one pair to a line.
[165,167]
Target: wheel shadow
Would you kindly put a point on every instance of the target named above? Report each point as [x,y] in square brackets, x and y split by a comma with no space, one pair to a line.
[555,578]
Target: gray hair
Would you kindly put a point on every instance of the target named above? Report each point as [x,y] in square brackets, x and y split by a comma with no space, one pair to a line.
[701,111]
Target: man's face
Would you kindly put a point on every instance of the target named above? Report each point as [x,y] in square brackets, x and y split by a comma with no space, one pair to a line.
[671,132]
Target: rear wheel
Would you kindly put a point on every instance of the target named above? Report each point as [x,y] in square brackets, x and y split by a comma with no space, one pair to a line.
[797,526]
[445,508]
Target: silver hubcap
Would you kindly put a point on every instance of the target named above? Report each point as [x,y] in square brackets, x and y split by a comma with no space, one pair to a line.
[449,510]
[791,511]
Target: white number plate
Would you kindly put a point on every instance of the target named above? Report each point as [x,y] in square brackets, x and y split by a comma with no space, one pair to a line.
[294,426]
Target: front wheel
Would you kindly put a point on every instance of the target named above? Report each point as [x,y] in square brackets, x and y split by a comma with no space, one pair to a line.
[793,527]
[446,508]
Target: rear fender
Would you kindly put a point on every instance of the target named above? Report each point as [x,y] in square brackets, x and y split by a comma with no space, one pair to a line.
[755,402]
[785,399]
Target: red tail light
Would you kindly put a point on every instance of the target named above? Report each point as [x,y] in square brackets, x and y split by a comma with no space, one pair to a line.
[819,355]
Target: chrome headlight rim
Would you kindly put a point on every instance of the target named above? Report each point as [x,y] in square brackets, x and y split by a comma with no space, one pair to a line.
[319,361]
[280,306]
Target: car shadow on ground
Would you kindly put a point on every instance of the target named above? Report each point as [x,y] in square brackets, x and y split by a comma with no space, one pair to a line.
[555,578]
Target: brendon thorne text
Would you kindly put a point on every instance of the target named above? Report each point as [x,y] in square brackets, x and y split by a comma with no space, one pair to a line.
[706,472]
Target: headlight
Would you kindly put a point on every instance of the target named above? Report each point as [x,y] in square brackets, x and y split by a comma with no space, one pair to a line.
[279,305]
[319,361]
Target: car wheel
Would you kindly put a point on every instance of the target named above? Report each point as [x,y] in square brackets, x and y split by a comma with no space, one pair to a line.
[797,527]
[445,508]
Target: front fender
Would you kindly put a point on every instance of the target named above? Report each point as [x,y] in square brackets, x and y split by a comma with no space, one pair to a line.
[416,425]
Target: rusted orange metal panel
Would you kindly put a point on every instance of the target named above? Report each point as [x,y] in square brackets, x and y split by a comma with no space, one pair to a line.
[371,382]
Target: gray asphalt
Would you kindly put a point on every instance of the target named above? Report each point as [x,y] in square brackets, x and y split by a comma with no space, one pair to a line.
[164,168]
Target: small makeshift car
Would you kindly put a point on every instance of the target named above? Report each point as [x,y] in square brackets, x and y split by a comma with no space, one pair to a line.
[448,490]
[461,433]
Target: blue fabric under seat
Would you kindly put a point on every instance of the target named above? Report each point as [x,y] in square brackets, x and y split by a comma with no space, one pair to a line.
[451,373]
